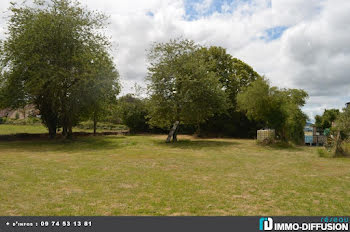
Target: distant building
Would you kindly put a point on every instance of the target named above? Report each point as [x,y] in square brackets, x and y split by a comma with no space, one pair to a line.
[347,104]
[21,113]
[314,135]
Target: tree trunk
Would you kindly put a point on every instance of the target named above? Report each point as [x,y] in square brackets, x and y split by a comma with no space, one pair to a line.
[52,131]
[338,148]
[172,133]
[64,131]
[198,132]
[95,123]
[24,112]
[175,134]
[69,132]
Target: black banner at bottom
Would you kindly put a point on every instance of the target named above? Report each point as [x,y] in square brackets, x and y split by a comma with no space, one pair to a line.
[169,224]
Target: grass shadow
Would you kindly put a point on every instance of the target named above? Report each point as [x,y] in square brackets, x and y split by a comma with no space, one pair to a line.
[196,144]
[75,145]
[284,146]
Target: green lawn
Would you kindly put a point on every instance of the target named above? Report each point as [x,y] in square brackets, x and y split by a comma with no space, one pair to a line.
[6,129]
[141,175]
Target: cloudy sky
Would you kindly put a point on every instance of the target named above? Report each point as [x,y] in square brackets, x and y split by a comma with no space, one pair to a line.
[295,43]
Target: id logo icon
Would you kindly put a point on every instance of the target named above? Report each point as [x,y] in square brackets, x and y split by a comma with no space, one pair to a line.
[265,223]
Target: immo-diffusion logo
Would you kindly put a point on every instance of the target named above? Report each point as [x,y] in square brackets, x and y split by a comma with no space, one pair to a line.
[326,224]
[265,223]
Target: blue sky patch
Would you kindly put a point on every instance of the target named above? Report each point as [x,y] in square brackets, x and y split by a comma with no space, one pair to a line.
[196,9]
[150,13]
[274,33]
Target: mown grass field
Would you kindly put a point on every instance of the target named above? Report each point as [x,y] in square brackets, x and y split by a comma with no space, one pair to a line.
[141,175]
[8,129]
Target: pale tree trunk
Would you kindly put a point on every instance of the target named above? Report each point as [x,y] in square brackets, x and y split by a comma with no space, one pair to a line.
[173,133]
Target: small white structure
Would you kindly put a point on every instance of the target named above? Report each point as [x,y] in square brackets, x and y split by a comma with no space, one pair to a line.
[263,135]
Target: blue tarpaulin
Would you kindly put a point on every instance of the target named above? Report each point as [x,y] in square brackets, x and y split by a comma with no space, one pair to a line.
[308,139]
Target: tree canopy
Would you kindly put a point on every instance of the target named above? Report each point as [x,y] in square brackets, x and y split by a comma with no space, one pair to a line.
[199,85]
[325,121]
[56,56]
[342,131]
[233,73]
[278,109]
[181,85]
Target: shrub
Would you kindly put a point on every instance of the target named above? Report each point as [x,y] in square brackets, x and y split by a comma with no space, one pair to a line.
[133,113]
[89,125]
[33,120]
[26,121]
[324,153]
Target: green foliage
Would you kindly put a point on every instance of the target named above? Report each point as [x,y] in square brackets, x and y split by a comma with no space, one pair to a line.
[342,123]
[56,56]
[324,153]
[89,125]
[257,102]
[234,75]
[181,85]
[133,113]
[26,121]
[278,109]
[341,132]
[295,122]
[231,124]
[325,121]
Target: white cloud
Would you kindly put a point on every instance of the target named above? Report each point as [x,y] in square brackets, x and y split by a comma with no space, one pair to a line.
[313,53]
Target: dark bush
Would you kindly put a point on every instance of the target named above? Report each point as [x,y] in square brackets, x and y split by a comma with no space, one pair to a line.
[89,125]
[133,112]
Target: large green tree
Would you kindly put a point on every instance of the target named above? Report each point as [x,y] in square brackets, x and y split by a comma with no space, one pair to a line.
[234,75]
[181,86]
[279,109]
[105,88]
[56,56]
